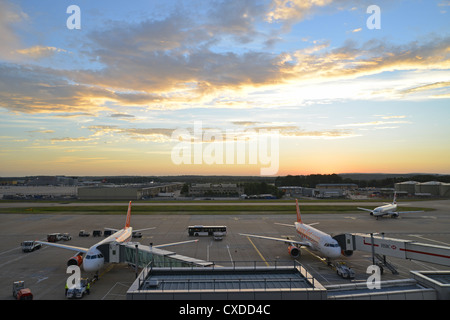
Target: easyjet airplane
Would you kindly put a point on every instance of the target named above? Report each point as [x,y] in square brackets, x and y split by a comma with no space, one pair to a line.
[387,209]
[93,259]
[312,238]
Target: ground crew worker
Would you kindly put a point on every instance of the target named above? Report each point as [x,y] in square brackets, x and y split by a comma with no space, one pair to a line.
[66,288]
[88,288]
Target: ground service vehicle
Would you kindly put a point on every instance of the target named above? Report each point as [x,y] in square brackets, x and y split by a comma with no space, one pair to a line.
[66,237]
[53,237]
[136,234]
[218,236]
[19,291]
[79,291]
[97,233]
[30,246]
[83,233]
[206,230]
[107,233]
[344,271]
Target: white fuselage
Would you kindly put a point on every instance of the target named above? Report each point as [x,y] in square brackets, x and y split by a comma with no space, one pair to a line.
[320,241]
[386,209]
[94,260]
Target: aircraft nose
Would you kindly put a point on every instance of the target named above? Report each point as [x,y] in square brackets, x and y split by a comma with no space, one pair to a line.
[92,264]
[89,266]
[335,252]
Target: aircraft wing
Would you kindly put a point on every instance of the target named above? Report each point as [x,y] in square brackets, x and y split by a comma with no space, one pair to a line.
[143,229]
[291,225]
[287,241]
[173,243]
[284,224]
[407,212]
[64,246]
[368,210]
[115,230]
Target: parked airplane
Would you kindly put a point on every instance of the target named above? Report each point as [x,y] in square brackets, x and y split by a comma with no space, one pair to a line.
[387,209]
[93,259]
[312,238]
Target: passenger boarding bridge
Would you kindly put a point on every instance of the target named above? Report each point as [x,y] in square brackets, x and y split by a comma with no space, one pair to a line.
[381,246]
[141,255]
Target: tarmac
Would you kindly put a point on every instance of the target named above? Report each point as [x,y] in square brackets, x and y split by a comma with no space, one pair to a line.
[44,271]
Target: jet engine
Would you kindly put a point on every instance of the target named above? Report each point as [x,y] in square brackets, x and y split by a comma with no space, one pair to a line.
[294,251]
[76,260]
[347,253]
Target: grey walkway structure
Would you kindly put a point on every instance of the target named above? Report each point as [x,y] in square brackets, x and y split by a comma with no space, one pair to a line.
[141,255]
[226,283]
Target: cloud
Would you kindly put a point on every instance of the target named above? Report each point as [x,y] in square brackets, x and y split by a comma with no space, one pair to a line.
[43,131]
[293,10]
[121,115]
[173,63]
[10,15]
[237,18]
[372,123]
[245,123]
[251,131]
[73,115]
[190,75]
[392,117]
[426,87]
[141,134]
[39,52]
[35,89]
[295,131]
[68,139]
[373,57]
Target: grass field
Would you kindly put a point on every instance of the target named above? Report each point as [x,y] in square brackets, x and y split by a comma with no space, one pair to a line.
[193,209]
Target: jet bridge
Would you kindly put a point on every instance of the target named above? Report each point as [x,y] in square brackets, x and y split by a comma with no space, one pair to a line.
[378,244]
[141,255]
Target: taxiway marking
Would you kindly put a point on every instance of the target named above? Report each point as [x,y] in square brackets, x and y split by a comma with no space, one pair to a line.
[257,251]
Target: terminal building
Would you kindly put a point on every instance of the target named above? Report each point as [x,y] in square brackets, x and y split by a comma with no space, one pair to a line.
[216,190]
[126,192]
[322,190]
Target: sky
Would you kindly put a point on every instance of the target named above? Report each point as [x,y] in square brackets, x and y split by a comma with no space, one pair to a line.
[237,87]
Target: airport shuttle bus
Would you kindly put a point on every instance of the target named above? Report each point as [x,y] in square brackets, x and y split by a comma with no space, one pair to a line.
[196,231]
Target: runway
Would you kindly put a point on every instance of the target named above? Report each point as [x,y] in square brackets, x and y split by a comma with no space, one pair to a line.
[44,271]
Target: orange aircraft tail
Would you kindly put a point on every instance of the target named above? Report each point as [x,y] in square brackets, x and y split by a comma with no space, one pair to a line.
[127,223]
[299,218]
